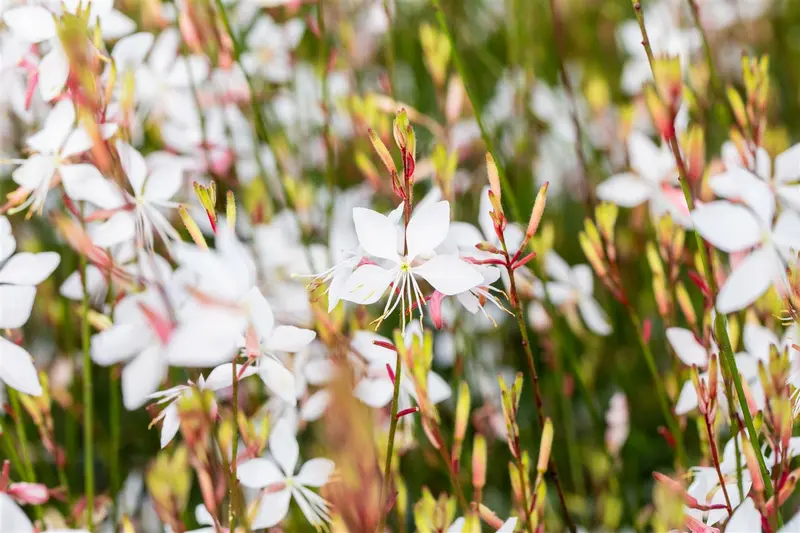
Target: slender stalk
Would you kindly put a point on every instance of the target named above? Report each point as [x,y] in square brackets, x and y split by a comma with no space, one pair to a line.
[524,490]
[671,422]
[715,458]
[451,475]
[526,346]
[11,450]
[387,471]
[477,109]
[721,326]
[88,398]
[22,437]
[234,446]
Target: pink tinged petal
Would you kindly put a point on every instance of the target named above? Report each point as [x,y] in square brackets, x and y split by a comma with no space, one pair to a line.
[142,376]
[376,233]
[134,166]
[687,400]
[438,389]
[32,24]
[686,347]
[27,268]
[624,190]
[283,446]
[727,226]
[37,169]
[741,185]
[748,281]
[17,370]
[427,228]
[16,303]
[278,379]
[758,340]
[594,316]
[261,317]
[259,473]
[53,73]
[84,182]
[170,424]
[374,392]
[787,165]
[12,517]
[289,339]
[367,284]
[315,473]
[449,275]
[272,508]
[316,404]
[117,229]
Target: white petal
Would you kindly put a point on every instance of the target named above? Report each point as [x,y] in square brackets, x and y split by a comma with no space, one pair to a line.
[741,185]
[27,268]
[16,303]
[727,226]
[17,370]
[12,517]
[751,278]
[687,400]
[272,508]
[222,376]
[37,169]
[594,316]
[283,446]
[261,317]
[117,343]
[367,284]
[787,165]
[170,424]
[448,274]
[438,389]
[686,347]
[207,338]
[53,73]
[786,233]
[644,155]
[556,267]
[316,404]
[134,166]
[315,473]
[259,473]
[32,24]
[427,228]
[278,379]
[508,526]
[163,183]
[376,233]
[624,190]
[758,339]
[142,376]
[584,278]
[117,229]
[374,392]
[289,339]
[130,51]
[458,524]
[84,182]
[363,344]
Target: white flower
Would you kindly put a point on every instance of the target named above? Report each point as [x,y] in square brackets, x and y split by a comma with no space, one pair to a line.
[275,475]
[269,46]
[376,388]
[746,517]
[573,286]
[653,178]
[378,236]
[509,526]
[19,275]
[734,228]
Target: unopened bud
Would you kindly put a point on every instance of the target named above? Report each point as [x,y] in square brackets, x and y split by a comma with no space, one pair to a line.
[591,255]
[668,78]
[230,209]
[738,107]
[487,247]
[400,129]
[695,150]
[660,114]
[606,216]
[545,446]
[537,211]
[479,462]
[382,152]
[494,180]
[192,228]
[752,466]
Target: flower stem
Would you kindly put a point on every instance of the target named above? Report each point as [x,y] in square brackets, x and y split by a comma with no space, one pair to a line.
[720,323]
[390,447]
[715,458]
[526,346]
[476,106]
[88,399]
[22,437]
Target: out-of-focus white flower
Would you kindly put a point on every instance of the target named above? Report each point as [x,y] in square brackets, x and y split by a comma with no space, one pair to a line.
[618,421]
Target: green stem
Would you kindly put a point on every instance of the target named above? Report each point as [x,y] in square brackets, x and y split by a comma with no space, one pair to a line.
[477,108]
[387,471]
[88,399]
[22,437]
[671,422]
